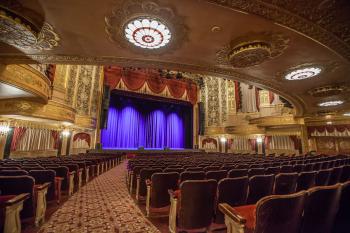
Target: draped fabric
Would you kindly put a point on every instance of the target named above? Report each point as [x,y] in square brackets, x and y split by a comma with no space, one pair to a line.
[82,137]
[135,79]
[329,130]
[241,143]
[267,142]
[248,98]
[134,123]
[56,138]
[297,143]
[281,142]
[271,97]
[238,95]
[17,136]
[36,139]
[253,144]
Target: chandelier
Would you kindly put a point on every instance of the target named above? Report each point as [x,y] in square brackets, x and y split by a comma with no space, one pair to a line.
[4,129]
[304,73]
[331,103]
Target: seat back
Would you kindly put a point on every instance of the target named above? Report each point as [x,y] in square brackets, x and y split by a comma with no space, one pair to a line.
[285,183]
[335,175]
[280,213]
[14,185]
[192,176]
[216,175]
[235,173]
[161,183]
[342,223]
[345,175]
[194,169]
[178,170]
[306,180]
[259,187]
[44,176]
[146,174]
[232,191]
[61,171]
[322,177]
[272,170]
[196,207]
[321,208]
[211,168]
[256,171]
[13,173]
[287,169]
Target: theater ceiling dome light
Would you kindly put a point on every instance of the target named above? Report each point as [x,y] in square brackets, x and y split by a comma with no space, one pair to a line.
[331,103]
[147,33]
[303,73]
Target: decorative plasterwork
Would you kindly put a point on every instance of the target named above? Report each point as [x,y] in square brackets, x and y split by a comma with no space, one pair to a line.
[19,32]
[52,110]
[85,122]
[329,90]
[123,13]
[276,121]
[252,49]
[325,66]
[324,21]
[26,78]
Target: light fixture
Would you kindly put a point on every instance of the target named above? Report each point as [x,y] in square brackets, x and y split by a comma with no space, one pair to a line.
[259,140]
[329,122]
[331,103]
[347,114]
[147,33]
[4,129]
[223,139]
[65,133]
[303,73]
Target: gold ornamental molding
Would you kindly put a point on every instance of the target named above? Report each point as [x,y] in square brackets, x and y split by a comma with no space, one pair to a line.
[85,122]
[51,111]
[26,78]
[310,18]
[244,130]
[276,121]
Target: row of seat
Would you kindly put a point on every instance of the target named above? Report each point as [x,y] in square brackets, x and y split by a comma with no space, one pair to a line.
[30,184]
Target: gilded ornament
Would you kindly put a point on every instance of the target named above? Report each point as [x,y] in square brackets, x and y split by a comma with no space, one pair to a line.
[329,90]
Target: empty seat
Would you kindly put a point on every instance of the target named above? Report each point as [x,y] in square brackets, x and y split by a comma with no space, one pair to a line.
[178,170]
[345,175]
[287,169]
[232,191]
[306,180]
[272,214]
[342,223]
[256,171]
[157,190]
[145,174]
[285,183]
[298,168]
[45,176]
[195,205]
[322,177]
[235,173]
[192,176]
[211,168]
[216,175]
[194,169]
[335,175]
[13,173]
[272,170]
[320,209]
[259,187]
[308,167]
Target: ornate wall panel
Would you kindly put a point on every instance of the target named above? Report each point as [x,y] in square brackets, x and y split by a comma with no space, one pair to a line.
[212,107]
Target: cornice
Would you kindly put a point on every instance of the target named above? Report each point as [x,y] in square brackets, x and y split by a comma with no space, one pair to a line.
[276,121]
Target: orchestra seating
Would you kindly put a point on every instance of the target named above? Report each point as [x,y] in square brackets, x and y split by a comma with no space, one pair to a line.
[246,188]
[29,185]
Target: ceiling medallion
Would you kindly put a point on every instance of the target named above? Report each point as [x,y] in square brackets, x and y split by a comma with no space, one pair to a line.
[329,90]
[306,71]
[21,33]
[145,27]
[331,103]
[147,33]
[252,49]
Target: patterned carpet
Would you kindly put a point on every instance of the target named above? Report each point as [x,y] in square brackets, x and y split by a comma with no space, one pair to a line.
[103,205]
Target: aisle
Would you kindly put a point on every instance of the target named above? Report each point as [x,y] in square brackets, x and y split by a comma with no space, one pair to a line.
[103,205]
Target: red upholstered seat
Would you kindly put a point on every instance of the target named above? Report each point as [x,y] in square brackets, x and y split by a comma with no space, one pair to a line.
[247,212]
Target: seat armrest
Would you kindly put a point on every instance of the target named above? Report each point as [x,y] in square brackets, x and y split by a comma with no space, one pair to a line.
[72,172]
[58,178]
[173,194]
[231,213]
[148,182]
[17,199]
[42,186]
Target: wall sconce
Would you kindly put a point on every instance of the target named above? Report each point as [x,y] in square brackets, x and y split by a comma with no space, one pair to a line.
[4,129]
[223,139]
[259,139]
[65,133]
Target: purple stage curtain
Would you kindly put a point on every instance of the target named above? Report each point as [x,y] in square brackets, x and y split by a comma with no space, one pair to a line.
[129,127]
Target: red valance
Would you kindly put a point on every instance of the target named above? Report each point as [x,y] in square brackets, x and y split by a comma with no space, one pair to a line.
[328,128]
[135,79]
[82,136]
[18,133]
[209,140]
[56,138]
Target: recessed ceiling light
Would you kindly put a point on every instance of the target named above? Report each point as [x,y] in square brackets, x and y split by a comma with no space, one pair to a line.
[347,114]
[147,33]
[331,103]
[303,73]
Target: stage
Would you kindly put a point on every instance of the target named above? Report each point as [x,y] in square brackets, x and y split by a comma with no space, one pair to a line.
[149,152]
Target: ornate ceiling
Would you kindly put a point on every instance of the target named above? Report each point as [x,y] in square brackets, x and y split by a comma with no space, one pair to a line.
[255,41]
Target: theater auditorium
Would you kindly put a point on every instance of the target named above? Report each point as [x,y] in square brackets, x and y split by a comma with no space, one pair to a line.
[175,116]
